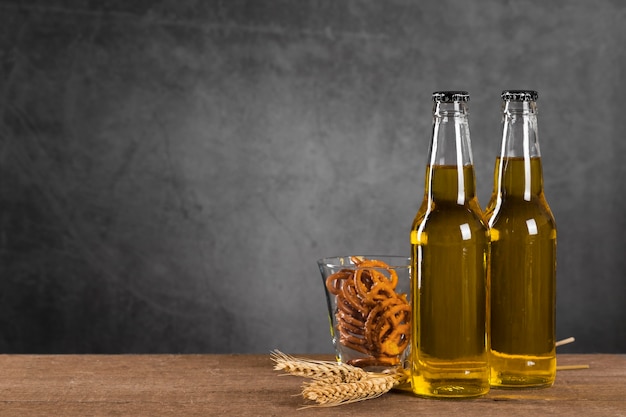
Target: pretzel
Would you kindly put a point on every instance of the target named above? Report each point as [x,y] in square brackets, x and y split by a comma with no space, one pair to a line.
[371,317]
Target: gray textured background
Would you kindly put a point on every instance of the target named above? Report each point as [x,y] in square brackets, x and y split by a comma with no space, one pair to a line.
[171,170]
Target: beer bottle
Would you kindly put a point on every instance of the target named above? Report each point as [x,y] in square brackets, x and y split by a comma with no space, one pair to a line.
[449,264]
[523,255]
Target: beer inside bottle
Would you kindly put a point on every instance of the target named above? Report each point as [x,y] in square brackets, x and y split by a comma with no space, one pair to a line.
[449,252]
[523,255]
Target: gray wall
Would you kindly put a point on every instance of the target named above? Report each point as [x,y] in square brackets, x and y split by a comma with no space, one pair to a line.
[171,170]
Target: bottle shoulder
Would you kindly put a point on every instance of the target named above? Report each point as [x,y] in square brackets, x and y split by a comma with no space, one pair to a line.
[519,214]
[445,217]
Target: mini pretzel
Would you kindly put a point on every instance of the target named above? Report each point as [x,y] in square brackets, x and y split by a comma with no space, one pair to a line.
[371,317]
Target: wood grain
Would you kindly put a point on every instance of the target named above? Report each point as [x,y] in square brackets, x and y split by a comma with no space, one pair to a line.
[246,385]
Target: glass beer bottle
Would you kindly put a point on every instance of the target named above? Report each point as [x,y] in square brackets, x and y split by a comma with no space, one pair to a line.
[523,255]
[449,265]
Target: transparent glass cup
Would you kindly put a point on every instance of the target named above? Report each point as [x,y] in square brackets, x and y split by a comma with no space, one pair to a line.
[369,309]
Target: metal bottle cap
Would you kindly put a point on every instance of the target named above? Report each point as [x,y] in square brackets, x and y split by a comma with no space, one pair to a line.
[519,95]
[450,96]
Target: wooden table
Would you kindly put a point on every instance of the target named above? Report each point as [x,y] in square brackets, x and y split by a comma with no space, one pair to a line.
[246,385]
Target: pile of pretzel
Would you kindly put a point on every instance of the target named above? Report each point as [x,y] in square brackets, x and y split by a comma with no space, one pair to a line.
[371,317]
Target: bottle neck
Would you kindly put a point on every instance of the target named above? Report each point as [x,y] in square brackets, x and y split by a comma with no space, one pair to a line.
[450,143]
[519,132]
[518,171]
[450,173]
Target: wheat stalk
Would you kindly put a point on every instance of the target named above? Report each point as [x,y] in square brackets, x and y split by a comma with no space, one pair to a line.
[318,370]
[336,383]
[564,341]
[568,367]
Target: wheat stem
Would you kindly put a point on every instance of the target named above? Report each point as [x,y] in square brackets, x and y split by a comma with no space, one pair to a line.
[571,367]
[565,341]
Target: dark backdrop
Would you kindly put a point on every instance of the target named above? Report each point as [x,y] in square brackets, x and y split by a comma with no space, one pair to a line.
[171,170]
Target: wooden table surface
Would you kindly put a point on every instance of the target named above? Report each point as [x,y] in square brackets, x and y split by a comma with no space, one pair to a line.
[247,385]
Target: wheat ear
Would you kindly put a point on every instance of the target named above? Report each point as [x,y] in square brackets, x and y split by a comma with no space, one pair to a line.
[334,394]
[328,371]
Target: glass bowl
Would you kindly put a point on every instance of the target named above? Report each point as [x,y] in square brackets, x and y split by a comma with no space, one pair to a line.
[369,308]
